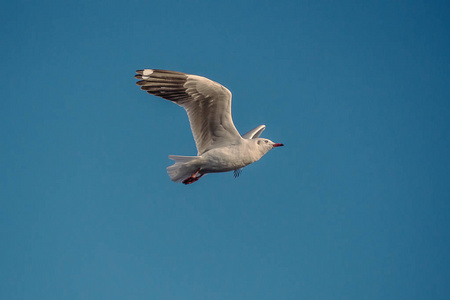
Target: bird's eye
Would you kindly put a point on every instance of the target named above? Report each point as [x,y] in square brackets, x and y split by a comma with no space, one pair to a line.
[265,142]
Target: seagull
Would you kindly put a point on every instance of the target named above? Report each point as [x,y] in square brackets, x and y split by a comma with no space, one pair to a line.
[207,103]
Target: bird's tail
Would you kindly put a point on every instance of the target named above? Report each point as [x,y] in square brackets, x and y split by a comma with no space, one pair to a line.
[183,167]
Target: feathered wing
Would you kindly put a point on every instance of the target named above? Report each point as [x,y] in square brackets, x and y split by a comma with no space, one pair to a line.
[254,133]
[207,103]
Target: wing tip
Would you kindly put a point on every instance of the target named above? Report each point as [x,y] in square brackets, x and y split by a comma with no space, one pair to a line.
[145,72]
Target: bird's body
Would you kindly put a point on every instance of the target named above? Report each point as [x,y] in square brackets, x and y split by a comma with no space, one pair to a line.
[227,158]
[230,157]
[208,104]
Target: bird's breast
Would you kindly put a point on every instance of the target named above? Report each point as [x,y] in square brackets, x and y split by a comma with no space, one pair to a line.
[227,158]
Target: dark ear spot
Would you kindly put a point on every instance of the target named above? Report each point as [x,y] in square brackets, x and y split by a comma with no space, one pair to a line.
[259,142]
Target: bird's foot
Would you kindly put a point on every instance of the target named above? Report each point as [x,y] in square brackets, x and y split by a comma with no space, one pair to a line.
[193,178]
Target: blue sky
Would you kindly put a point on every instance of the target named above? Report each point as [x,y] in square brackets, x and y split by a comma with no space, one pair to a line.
[355,206]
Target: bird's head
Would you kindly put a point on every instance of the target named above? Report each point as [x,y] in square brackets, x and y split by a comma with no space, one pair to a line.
[265,145]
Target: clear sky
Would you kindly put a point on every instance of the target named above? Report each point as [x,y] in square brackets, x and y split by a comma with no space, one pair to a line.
[355,206]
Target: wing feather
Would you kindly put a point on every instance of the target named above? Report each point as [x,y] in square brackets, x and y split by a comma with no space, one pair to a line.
[254,133]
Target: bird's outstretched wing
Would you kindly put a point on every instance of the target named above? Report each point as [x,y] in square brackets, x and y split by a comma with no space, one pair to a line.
[207,103]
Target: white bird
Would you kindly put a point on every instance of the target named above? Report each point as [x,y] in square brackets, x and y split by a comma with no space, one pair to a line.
[208,105]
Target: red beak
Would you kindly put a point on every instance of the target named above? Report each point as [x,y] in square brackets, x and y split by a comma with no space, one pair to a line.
[277,145]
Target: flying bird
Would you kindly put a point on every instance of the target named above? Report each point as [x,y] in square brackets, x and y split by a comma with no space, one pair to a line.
[220,147]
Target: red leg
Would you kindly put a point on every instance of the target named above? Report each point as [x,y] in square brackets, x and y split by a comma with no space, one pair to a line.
[193,178]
